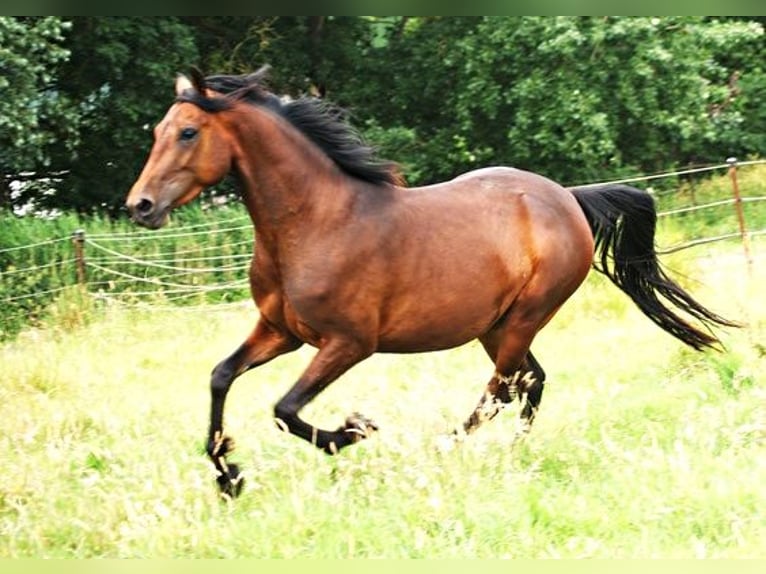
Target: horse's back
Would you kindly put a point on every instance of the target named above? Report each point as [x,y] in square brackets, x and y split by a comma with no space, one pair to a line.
[499,181]
[538,213]
[459,254]
[556,233]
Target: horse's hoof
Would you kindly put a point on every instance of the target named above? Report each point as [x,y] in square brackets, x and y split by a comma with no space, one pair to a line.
[231,482]
[360,426]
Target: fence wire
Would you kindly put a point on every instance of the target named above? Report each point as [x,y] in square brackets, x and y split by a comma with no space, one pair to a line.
[206,268]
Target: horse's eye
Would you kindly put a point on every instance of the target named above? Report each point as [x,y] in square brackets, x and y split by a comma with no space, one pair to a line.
[187,134]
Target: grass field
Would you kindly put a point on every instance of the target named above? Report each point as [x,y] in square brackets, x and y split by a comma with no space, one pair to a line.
[642,448]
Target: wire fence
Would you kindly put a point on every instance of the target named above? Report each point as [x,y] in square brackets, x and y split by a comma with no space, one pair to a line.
[204,265]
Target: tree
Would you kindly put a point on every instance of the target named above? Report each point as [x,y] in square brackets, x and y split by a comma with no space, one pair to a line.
[121,70]
[405,89]
[308,54]
[575,98]
[739,118]
[36,118]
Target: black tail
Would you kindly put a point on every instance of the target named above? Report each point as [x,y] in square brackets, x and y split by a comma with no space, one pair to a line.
[623,221]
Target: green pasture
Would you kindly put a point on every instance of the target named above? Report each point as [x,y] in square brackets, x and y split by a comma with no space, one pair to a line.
[641,449]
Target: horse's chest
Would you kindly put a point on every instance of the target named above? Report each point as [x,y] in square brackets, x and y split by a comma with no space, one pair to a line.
[280,312]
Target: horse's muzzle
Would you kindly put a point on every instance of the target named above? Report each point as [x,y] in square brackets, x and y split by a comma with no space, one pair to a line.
[146,213]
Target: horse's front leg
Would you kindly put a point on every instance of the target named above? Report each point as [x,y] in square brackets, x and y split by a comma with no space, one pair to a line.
[334,358]
[263,344]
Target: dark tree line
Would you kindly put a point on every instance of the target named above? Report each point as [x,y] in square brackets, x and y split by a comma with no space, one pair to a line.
[575,98]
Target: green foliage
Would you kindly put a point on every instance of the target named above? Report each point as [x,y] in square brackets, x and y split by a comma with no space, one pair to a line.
[36,264]
[31,50]
[399,142]
[419,78]
[38,269]
[123,69]
[36,117]
[575,98]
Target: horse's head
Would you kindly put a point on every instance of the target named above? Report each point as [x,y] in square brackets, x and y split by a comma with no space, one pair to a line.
[191,152]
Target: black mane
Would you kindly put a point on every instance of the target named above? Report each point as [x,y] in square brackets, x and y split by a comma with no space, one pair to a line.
[323,123]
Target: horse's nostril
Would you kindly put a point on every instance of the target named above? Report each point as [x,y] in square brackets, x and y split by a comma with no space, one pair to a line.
[145,206]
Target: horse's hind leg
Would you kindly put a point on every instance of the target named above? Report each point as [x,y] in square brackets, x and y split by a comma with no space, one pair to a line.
[526,382]
[263,344]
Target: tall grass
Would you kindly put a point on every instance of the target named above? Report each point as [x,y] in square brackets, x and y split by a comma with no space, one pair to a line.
[38,266]
[641,449]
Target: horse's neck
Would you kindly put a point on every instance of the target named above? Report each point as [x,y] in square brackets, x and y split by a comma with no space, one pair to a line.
[286,180]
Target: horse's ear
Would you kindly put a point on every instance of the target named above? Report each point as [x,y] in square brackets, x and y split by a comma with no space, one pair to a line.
[198,80]
[182,84]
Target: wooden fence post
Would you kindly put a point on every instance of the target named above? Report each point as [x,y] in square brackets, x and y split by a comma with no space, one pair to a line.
[78,239]
[732,161]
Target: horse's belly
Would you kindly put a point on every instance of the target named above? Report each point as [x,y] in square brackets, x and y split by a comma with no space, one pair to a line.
[424,342]
[437,323]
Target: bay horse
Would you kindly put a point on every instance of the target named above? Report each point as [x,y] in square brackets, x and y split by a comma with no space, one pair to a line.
[349,260]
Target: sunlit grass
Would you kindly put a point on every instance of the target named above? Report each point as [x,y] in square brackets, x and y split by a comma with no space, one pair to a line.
[642,448]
